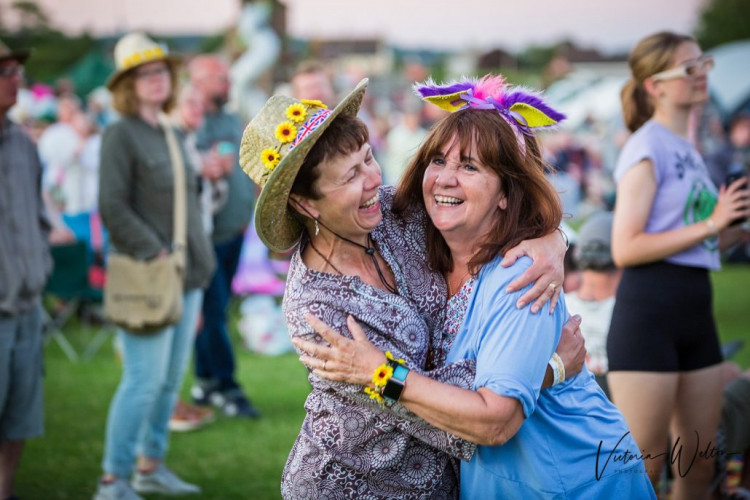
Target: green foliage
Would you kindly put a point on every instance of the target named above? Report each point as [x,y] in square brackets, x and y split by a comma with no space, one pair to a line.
[723,21]
[229,459]
[536,57]
[53,52]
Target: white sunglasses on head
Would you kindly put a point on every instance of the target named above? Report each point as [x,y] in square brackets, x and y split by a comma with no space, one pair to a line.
[689,69]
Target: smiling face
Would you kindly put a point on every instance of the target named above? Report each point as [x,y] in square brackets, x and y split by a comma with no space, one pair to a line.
[463,197]
[686,90]
[348,188]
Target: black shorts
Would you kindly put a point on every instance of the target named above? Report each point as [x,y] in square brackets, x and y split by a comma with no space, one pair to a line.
[663,320]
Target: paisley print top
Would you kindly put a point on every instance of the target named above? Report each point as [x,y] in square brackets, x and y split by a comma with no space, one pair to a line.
[349,446]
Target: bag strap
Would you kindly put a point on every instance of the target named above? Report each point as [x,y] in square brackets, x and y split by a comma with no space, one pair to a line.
[179,229]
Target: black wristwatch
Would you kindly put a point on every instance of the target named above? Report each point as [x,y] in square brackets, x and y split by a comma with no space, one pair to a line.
[395,385]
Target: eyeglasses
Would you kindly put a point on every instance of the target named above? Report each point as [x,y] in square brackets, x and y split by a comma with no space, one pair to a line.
[11,71]
[689,69]
[158,71]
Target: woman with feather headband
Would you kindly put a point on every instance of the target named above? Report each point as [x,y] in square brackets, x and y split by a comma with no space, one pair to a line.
[480,177]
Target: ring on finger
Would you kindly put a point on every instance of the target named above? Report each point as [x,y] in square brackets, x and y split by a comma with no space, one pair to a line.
[553,285]
[324,364]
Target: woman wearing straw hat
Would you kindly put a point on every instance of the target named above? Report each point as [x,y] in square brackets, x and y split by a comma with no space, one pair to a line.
[136,203]
[322,189]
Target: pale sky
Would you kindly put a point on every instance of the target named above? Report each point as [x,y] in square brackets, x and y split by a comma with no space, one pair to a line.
[457,24]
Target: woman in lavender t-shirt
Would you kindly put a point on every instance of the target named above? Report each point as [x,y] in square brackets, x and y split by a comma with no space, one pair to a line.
[670,222]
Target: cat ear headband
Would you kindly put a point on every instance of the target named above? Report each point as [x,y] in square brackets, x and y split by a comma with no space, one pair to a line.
[520,107]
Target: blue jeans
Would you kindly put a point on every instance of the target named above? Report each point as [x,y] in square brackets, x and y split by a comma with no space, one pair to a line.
[214,356]
[153,366]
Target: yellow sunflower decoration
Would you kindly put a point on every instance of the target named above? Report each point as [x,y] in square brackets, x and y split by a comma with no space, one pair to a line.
[296,112]
[270,158]
[313,102]
[286,132]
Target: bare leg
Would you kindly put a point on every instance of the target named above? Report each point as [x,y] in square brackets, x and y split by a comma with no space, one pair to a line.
[10,457]
[147,464]
[646,399]
[696,418]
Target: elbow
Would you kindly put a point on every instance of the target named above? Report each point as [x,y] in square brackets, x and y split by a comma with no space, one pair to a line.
[501,425]
[499,435]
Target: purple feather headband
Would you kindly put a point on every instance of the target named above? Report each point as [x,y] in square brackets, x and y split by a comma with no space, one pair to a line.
[521,108]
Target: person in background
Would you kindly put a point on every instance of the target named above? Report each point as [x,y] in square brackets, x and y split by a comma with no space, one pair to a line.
[218,140]
[670,222]
[136,200]
[311,81]
[594,299]
[25,264]
[187,117]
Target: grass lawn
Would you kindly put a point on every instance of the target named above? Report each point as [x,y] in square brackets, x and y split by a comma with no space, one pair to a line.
[230,459]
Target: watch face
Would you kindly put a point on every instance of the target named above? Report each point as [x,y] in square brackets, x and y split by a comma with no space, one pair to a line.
[392,390]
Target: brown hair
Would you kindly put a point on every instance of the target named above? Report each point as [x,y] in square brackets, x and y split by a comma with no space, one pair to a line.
[125,101]
[345,135]
[533,207]
[651,55]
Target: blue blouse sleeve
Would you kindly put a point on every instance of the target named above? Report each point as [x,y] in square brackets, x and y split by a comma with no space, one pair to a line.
[513,346]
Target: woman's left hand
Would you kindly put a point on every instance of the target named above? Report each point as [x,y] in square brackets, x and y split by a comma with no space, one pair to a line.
[547,272]
[345,360]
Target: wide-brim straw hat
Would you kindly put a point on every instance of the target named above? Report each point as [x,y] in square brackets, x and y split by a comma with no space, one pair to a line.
[136,49]
[18,55]
[274,146]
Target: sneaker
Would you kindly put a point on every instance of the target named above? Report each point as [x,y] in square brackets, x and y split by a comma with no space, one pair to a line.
[202,392]
[117,490]
[234,403]
[187,417]
[164,481]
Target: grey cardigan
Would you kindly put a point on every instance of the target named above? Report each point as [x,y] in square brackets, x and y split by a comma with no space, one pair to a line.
[136,197]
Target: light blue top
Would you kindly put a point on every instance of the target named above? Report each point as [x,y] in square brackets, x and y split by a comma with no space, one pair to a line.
[554,454]
[685,193]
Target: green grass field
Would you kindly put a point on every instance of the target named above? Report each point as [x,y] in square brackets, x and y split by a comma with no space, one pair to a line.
[230,459]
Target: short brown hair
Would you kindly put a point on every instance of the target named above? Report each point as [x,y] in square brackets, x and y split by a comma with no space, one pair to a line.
[125,101]
[345,135]
[533,207]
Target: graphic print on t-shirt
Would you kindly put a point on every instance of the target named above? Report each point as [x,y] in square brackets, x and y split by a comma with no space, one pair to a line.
[699,206]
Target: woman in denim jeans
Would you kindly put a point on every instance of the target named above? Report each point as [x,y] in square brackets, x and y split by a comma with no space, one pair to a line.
[136,203]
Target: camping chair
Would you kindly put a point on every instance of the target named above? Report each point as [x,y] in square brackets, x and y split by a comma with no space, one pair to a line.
[69,284]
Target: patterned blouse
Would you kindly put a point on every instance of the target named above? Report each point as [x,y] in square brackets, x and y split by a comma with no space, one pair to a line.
[349,446]
[455,312]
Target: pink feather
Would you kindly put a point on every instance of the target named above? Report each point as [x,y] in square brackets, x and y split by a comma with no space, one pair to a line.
[490,86]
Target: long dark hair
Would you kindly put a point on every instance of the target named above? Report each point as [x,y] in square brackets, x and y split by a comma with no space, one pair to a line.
[533,207]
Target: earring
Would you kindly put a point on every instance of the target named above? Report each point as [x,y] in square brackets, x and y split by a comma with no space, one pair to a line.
[317,228]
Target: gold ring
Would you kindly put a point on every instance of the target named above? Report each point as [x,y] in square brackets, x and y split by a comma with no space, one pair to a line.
[324,364]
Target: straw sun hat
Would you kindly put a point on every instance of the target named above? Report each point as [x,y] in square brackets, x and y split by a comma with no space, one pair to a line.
[136,49]
[274,146]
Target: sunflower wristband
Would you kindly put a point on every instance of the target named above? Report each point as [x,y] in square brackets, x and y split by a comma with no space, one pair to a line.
[388,379]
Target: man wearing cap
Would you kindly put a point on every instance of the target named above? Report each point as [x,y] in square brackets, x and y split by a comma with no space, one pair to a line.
[25,264]
[218,139]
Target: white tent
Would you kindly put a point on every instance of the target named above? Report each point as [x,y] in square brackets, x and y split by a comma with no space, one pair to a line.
[729,82]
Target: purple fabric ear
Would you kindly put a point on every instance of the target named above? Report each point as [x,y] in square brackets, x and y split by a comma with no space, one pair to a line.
[520,96]
[430,88]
